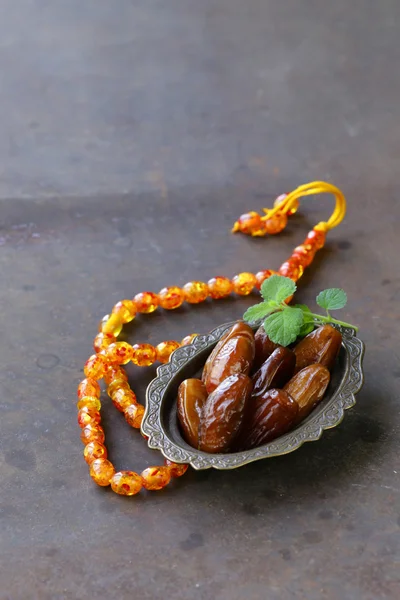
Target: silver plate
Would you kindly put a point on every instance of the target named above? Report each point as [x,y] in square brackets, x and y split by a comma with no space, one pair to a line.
[160,419]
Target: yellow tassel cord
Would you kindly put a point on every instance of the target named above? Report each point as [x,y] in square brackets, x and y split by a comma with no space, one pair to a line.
[289,205]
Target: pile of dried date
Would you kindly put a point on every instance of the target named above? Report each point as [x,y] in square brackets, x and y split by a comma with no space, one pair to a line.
[253,390]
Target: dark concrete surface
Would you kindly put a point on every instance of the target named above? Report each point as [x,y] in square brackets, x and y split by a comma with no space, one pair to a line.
[132,136]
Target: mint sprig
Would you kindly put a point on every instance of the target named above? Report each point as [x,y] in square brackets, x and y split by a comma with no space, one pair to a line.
[283,323]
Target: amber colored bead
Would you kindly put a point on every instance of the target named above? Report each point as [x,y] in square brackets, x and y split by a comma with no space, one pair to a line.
[275,224]
[126,483]
[249,222]
[195,292]
[112,324]
[176,469]
[291,269]
[144,355]
[103,340]
[304,255]
[94,450]
[295,204]
[188,339]
[88,416]
[126,310]
[101,471]
[244,283]
[316,238]
[146,302]
[119,353]
[261,276]
[220,287]
[155,478]
[95,366]
[123,398]
[294,209]
[88,402]
[114,373]
[165,349]
[92,433]
[171,297]
[134,415]
[116,385]
[89,387]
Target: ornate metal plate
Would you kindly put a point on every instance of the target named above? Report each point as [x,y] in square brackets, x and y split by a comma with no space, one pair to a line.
[160,419]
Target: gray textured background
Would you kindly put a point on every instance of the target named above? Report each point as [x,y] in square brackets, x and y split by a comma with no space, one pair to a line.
[132,136]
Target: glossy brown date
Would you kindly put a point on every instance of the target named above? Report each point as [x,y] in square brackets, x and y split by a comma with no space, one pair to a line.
[192,395]
[320,346]
[233,354]
[275,372]
[307,388]
[223,413]
[263,347]
[273,415]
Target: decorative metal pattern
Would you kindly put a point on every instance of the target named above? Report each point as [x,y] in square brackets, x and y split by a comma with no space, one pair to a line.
[325,416]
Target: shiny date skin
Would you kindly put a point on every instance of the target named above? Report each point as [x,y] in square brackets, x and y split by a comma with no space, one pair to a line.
[264,347]
[275,372]
[192,395]
[307,388]
[233,354]
[273,415]
[320,346]
[223,413]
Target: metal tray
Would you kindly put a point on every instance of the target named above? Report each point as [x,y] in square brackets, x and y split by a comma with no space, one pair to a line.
[160,419]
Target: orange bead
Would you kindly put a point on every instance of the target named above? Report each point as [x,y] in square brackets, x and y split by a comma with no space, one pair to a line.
[122,399]
[275,224]
[103,340]
[89,387]
[249,222]
[165,349]
[101,471]
[116,385]
[295,204]
[279,199]
[88,416]
[195,292]
[291,269]
[176,469]
[304,255]
[119,353]
[243,283]
[126,483]
[144,355]
[188,339]
[220,287]
[316,238]
[155,478]
[114,373]
[294,209]
[126,310]
[171,297]
[134,415]
[95,366]
[92,433]
[102,323]
[94,450]
[90,402]
[112,324]
[146,302]
[261,276]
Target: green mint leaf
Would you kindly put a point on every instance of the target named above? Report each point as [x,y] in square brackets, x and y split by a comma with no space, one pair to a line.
[283,327]
[308,321]
[332,299]
[257,312]
[277,288]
